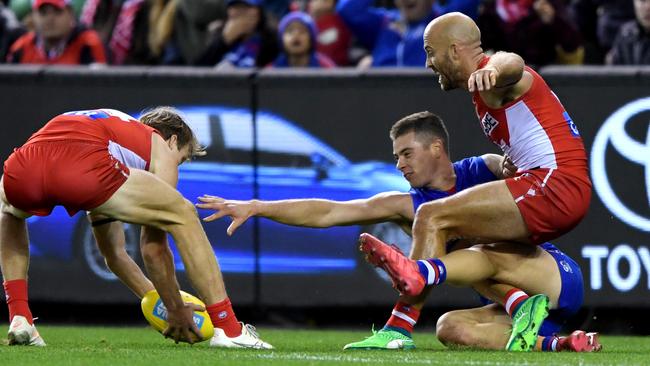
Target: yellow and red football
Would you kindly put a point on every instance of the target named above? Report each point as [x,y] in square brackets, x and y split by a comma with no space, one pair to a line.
[156,314]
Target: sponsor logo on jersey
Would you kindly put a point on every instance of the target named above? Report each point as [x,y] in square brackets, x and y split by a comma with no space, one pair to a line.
[489,124]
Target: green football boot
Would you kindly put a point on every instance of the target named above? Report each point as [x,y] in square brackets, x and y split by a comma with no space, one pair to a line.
[383,339]
[526,323]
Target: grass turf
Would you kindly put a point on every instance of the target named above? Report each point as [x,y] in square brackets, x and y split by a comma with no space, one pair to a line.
[96,346]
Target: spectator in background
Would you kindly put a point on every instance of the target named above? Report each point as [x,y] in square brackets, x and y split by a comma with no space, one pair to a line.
[599,22]
[632,44]
[57,38]
[244,40]
[538,30]
[123,25]
[190,33]
[334,38]
[394,37]
[297,33]
[10,30]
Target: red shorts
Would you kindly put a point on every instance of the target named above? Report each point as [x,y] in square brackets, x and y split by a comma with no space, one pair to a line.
[551,201]
[76,175]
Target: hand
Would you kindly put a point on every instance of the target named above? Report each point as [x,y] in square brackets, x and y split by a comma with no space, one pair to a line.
[181,326]
[238,27]
[508,168]
[482,79]
[239,211]
[544,10]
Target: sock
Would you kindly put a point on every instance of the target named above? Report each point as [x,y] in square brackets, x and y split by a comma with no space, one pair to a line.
[223,317]
[514,299]
[433,271]
[403,318]
[551,344]
[16,293]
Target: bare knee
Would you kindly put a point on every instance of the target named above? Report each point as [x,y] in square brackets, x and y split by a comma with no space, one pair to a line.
[435,216]
[184,213]
[452,329]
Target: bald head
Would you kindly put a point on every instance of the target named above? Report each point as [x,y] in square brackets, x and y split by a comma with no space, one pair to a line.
[452,28]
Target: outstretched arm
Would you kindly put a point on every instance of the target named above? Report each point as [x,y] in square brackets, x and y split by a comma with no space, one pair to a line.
[388,206]
[112,244]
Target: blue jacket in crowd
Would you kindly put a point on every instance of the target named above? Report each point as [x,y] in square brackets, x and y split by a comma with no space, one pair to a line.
[392,41]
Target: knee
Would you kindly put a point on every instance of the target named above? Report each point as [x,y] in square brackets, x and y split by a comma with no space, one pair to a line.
[434,215]
[451,330]
[183,212]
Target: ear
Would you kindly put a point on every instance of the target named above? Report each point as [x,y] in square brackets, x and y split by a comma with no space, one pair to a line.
[437,148]
[454,51]
[173,141]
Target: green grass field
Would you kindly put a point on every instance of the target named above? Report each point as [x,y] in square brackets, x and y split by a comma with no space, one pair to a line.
[96,346]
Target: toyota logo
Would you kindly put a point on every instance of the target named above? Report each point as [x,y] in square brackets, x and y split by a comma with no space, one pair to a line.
[613,131]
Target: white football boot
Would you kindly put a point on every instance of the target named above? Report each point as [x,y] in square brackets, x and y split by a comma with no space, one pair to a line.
[249,338]
[23,333]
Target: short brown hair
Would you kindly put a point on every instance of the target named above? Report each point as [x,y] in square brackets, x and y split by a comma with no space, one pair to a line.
[426,126]
[168,121]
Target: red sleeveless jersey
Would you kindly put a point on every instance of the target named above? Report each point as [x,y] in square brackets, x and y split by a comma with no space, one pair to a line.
[534,130]
[127,140]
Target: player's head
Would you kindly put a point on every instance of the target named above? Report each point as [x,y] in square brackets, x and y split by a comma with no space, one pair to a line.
[420,146]
[453,46]
[170,124]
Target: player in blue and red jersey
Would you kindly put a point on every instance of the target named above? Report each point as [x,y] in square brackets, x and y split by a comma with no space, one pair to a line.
[116,168]
[504,273]
[548,196]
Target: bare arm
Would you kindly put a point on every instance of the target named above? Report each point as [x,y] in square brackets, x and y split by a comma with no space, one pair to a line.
[501,74]
[388,206]
[157,256]
[501,166]
[111,242]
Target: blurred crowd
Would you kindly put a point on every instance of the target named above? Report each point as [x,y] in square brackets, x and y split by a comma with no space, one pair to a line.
[313,33]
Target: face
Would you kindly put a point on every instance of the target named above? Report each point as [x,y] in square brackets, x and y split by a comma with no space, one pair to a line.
[53,23]
[414,10]
[296,39]
[417,163]
[642,11]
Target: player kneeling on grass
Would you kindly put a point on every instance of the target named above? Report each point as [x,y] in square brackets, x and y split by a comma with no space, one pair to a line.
[506,273]
[108,163]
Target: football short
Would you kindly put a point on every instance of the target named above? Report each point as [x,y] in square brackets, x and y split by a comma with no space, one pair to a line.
[76,175]
[571,293]
[551,201]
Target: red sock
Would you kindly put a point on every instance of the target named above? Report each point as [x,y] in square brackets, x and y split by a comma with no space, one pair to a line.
[404,318]
[223,317]
[513,300]
[16,293]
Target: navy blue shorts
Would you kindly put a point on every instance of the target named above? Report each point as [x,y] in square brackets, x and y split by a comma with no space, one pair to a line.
[571,295]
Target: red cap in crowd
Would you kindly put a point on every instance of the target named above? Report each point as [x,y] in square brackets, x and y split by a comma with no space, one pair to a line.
[58,3]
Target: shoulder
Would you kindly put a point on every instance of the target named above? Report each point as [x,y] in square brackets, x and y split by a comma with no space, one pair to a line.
[23,41]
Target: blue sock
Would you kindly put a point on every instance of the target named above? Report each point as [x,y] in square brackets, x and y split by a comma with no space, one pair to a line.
[433,271]
[549,344]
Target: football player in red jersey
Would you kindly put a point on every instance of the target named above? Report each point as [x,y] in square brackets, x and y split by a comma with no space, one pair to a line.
[108,163]
[547,197]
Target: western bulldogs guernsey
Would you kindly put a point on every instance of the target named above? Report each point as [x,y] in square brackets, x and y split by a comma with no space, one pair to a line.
[469,172]
[534,130]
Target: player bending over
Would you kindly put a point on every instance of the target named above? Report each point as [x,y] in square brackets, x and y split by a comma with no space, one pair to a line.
[108,163]
[506,273]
